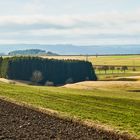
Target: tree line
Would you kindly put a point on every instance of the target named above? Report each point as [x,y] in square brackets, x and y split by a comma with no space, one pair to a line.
[56,71]
[105,68]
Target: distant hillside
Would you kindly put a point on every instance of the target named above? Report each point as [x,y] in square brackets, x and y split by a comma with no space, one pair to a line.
[51,53]
[31,52]
[67,49]
[2,54]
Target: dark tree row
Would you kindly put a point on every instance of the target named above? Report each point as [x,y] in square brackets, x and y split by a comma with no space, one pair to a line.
[112,68]
[56,71]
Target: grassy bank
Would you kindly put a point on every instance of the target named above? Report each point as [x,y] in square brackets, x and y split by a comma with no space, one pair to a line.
[117,108]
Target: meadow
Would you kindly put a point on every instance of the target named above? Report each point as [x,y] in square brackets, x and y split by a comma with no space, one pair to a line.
[113,107]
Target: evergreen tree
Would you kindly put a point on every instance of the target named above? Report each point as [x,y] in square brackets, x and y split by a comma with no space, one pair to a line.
[56,71]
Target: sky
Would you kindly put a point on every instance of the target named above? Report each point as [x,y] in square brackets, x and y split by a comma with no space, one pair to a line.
[79,22]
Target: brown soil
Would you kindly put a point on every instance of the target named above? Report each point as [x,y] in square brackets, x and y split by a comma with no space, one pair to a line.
[21,123]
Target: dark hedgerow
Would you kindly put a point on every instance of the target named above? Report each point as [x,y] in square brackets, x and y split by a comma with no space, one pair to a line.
[56,71]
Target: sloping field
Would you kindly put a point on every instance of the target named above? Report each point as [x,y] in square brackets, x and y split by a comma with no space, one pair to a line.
[112,108]
[18,122]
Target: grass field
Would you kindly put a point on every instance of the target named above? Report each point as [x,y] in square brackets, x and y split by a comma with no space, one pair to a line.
[114,76]
[116,60]
[118,108]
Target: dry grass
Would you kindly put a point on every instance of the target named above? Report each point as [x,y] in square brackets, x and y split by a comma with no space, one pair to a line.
[15,82]
[89,85]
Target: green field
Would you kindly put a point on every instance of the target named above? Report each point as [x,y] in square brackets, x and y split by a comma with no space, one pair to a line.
[130,61]
[118,108]
[109,76]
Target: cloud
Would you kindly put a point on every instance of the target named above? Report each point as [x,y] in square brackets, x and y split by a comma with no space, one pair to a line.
[99,27]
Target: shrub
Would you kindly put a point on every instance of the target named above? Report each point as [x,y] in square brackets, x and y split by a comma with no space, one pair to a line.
[49,83]
[69,81]
[134,69]
[12,82]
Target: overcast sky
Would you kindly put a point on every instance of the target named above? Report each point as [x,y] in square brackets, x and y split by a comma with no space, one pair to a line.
[85,22]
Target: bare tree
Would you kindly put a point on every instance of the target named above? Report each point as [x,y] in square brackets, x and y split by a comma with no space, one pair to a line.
[36,76]
[118,68]
[112,68]
[105,68]
[124,68]
[99,68]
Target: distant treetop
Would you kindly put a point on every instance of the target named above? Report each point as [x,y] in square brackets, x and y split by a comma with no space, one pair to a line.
[31,52]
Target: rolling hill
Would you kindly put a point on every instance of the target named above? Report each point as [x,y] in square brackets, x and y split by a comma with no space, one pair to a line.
[68,49]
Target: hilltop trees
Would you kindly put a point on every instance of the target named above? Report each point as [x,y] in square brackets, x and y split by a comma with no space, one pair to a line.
[27,52]
[42,70]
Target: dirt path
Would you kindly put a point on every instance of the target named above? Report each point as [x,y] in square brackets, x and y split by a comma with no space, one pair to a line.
[20,123]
